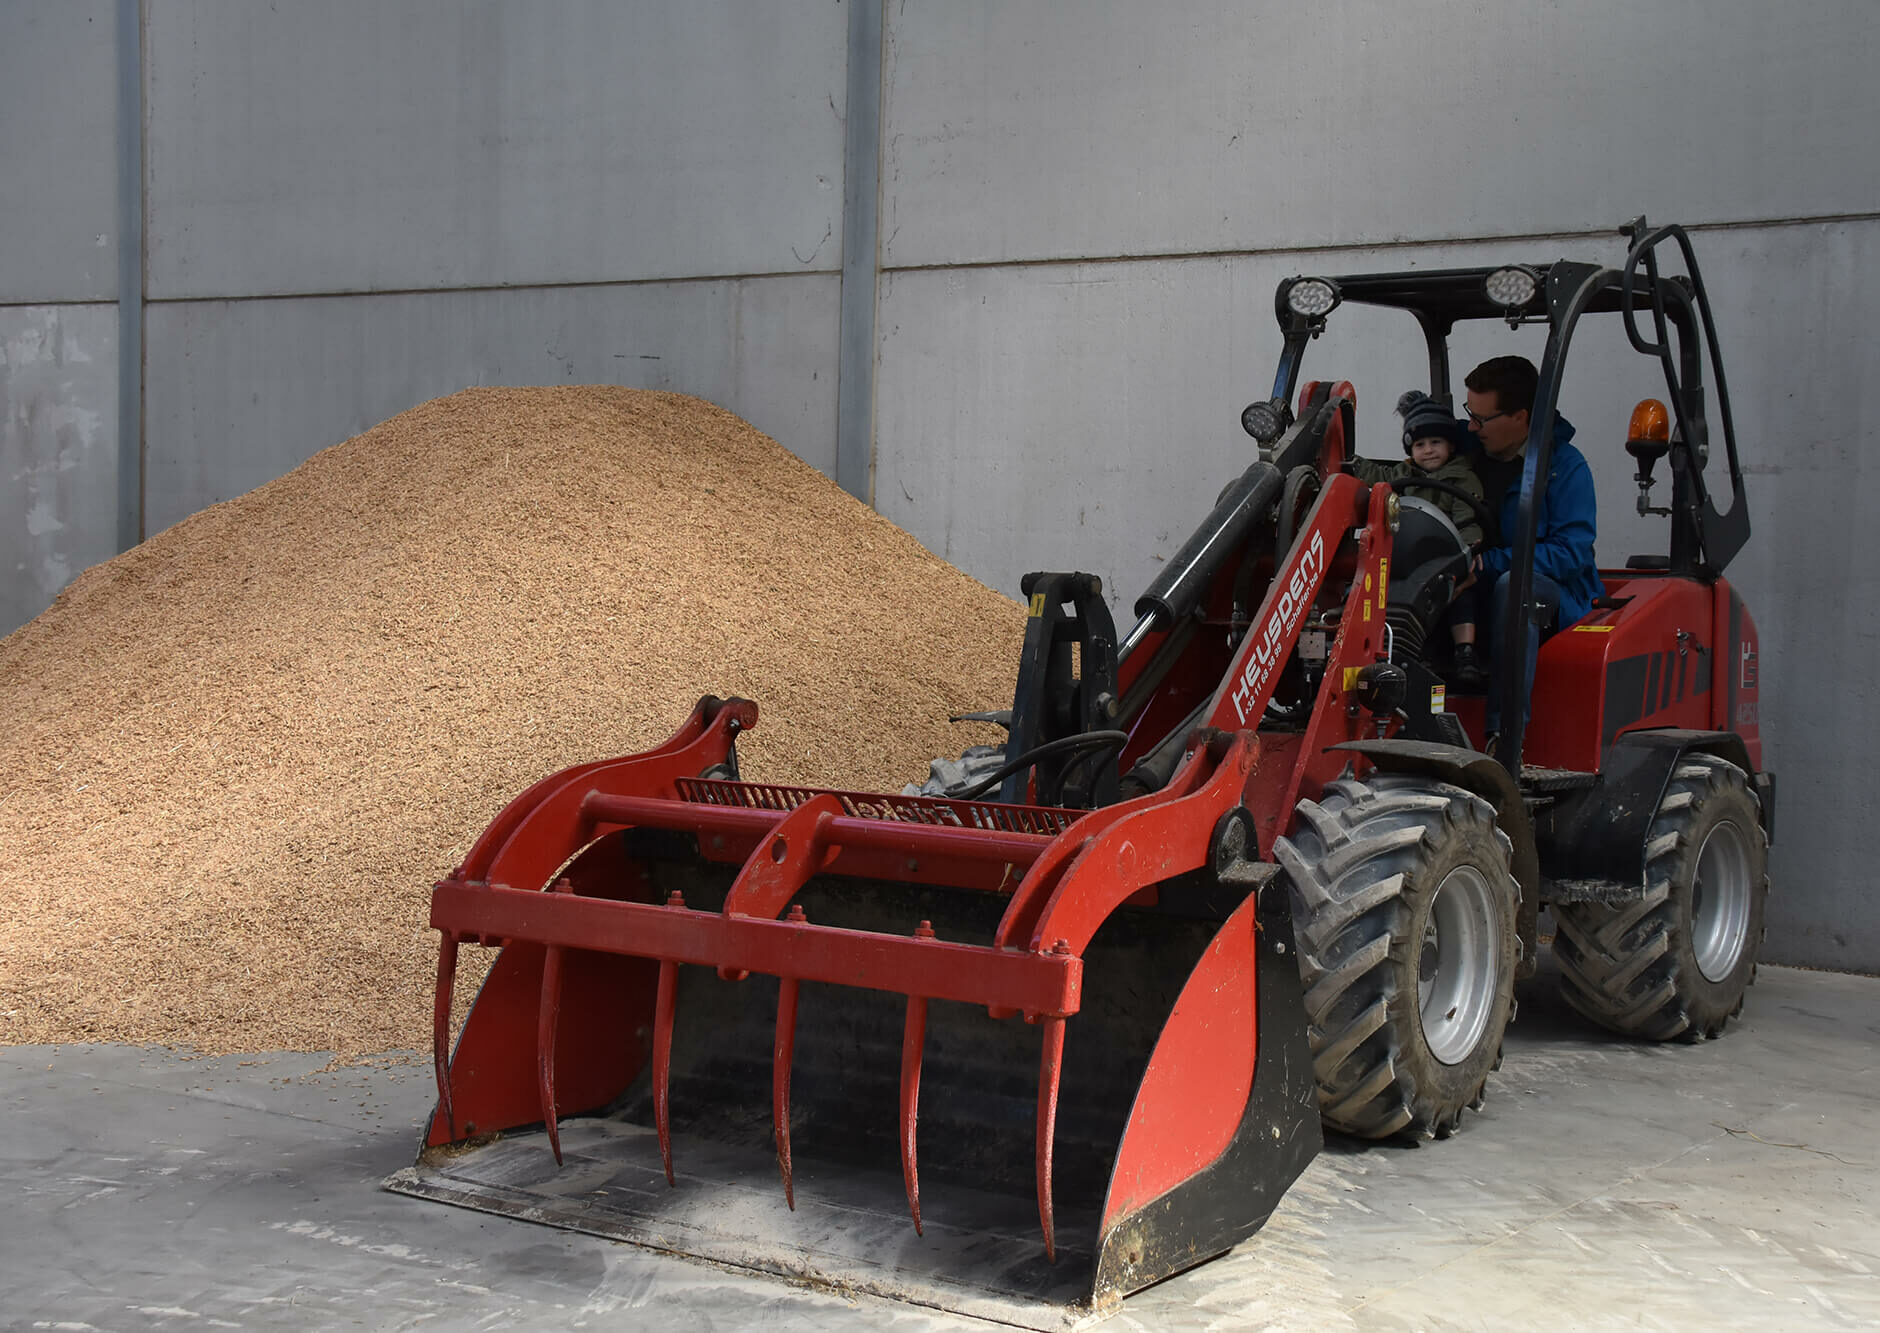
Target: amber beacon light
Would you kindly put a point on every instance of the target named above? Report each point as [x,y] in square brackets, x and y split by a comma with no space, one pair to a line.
[1650,421]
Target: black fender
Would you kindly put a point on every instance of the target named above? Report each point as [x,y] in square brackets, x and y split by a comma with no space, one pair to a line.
[1476,772]
[1593,840]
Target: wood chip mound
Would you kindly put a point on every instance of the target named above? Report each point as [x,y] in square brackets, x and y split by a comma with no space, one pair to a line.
[237,756]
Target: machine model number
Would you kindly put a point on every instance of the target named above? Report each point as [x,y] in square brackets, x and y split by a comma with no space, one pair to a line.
[1266,656]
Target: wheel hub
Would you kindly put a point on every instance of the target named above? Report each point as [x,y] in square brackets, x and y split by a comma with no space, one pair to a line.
[1458,965]
[1720,894]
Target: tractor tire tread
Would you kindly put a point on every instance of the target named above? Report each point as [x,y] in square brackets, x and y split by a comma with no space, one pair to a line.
[1630,968]
[1353,863]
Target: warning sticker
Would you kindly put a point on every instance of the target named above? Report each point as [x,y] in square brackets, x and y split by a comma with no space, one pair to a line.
[1439,696]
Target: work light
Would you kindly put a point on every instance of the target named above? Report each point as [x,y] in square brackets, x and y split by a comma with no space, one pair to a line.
[1312,297]
[1264,420]
[1512,287]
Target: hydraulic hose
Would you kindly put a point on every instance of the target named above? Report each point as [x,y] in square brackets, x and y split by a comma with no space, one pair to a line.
[1088,740]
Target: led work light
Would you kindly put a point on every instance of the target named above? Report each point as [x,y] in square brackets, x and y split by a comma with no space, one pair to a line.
[1313,298]
[1512,287]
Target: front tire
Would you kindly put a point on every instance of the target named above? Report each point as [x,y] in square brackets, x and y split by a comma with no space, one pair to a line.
[1405,912]
[1676,963]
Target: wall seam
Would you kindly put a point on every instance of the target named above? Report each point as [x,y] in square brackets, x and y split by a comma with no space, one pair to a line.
[346,294]
[339,294]
[1342,247]
[131,272]
[861,252]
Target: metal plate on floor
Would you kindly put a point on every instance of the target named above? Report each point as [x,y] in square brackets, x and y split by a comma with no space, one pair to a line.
[850,1230]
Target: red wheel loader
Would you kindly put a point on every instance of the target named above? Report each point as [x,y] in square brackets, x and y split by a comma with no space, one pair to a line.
[1069,1019]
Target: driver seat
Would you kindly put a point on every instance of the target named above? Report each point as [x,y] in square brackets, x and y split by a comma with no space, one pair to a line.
[1429,561]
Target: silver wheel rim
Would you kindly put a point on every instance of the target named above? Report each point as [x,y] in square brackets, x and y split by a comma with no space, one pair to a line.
[1720,901]
[1457,964]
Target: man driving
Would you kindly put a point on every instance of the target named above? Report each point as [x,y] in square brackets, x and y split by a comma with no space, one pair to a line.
[1500,403]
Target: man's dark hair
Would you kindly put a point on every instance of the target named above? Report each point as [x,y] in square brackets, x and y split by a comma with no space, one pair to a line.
[1510,378]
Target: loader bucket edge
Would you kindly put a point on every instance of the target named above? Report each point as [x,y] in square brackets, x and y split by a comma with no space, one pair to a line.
[1279,1133]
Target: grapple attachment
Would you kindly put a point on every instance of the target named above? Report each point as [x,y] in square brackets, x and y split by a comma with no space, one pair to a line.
[793,1029]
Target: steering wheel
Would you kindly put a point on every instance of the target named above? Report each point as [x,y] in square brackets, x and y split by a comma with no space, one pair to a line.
[1402,484]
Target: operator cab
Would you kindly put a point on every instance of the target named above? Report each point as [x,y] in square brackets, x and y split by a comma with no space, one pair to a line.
[1676,331]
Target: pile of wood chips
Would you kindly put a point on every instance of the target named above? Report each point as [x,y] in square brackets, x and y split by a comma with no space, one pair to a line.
[237,756]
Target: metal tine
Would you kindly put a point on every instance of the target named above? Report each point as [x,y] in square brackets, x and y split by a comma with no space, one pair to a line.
[912,1040]
[662,1059]
[1049,1066]
[547,1015]
[662,1048]
[440,1027]
[781,1057]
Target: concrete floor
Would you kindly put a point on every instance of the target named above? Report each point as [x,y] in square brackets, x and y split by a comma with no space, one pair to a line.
[1606,1184]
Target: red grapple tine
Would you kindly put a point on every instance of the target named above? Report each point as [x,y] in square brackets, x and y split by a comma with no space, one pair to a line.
[662,1058]
[912,1040]
[440,1027]
[547,1015]
[662,1047]
[545,1019]
[781,1056]
[1048,1069]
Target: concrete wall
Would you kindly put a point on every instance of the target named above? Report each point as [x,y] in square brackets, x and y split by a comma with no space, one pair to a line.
[58,450]
[1083,213]
[353,207]
[241,391]
[1212,125]
[355,145]
[58,260]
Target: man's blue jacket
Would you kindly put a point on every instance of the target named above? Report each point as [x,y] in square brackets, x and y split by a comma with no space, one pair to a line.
[1563,539]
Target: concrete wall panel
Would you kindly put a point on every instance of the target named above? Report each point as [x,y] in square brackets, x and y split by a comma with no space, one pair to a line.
[58,152]
[58,451]
[1033,131]
[1084,415]
[240,392]
[356,146]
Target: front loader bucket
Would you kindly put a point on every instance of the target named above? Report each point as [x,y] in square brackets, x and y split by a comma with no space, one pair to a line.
[905,1045]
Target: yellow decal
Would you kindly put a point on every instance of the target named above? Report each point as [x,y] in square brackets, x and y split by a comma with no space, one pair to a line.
[1439,695]
[1351,679]
[1367,583]
[1367,605]
[1037,603]
[1594,629]
[1383,579]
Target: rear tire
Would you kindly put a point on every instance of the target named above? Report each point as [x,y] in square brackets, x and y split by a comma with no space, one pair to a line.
[1675,964]
[1404,908]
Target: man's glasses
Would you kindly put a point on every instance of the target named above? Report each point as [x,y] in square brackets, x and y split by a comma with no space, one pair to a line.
[1481,421]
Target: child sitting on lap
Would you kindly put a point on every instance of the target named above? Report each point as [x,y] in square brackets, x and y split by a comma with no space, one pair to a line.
[1432,439]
